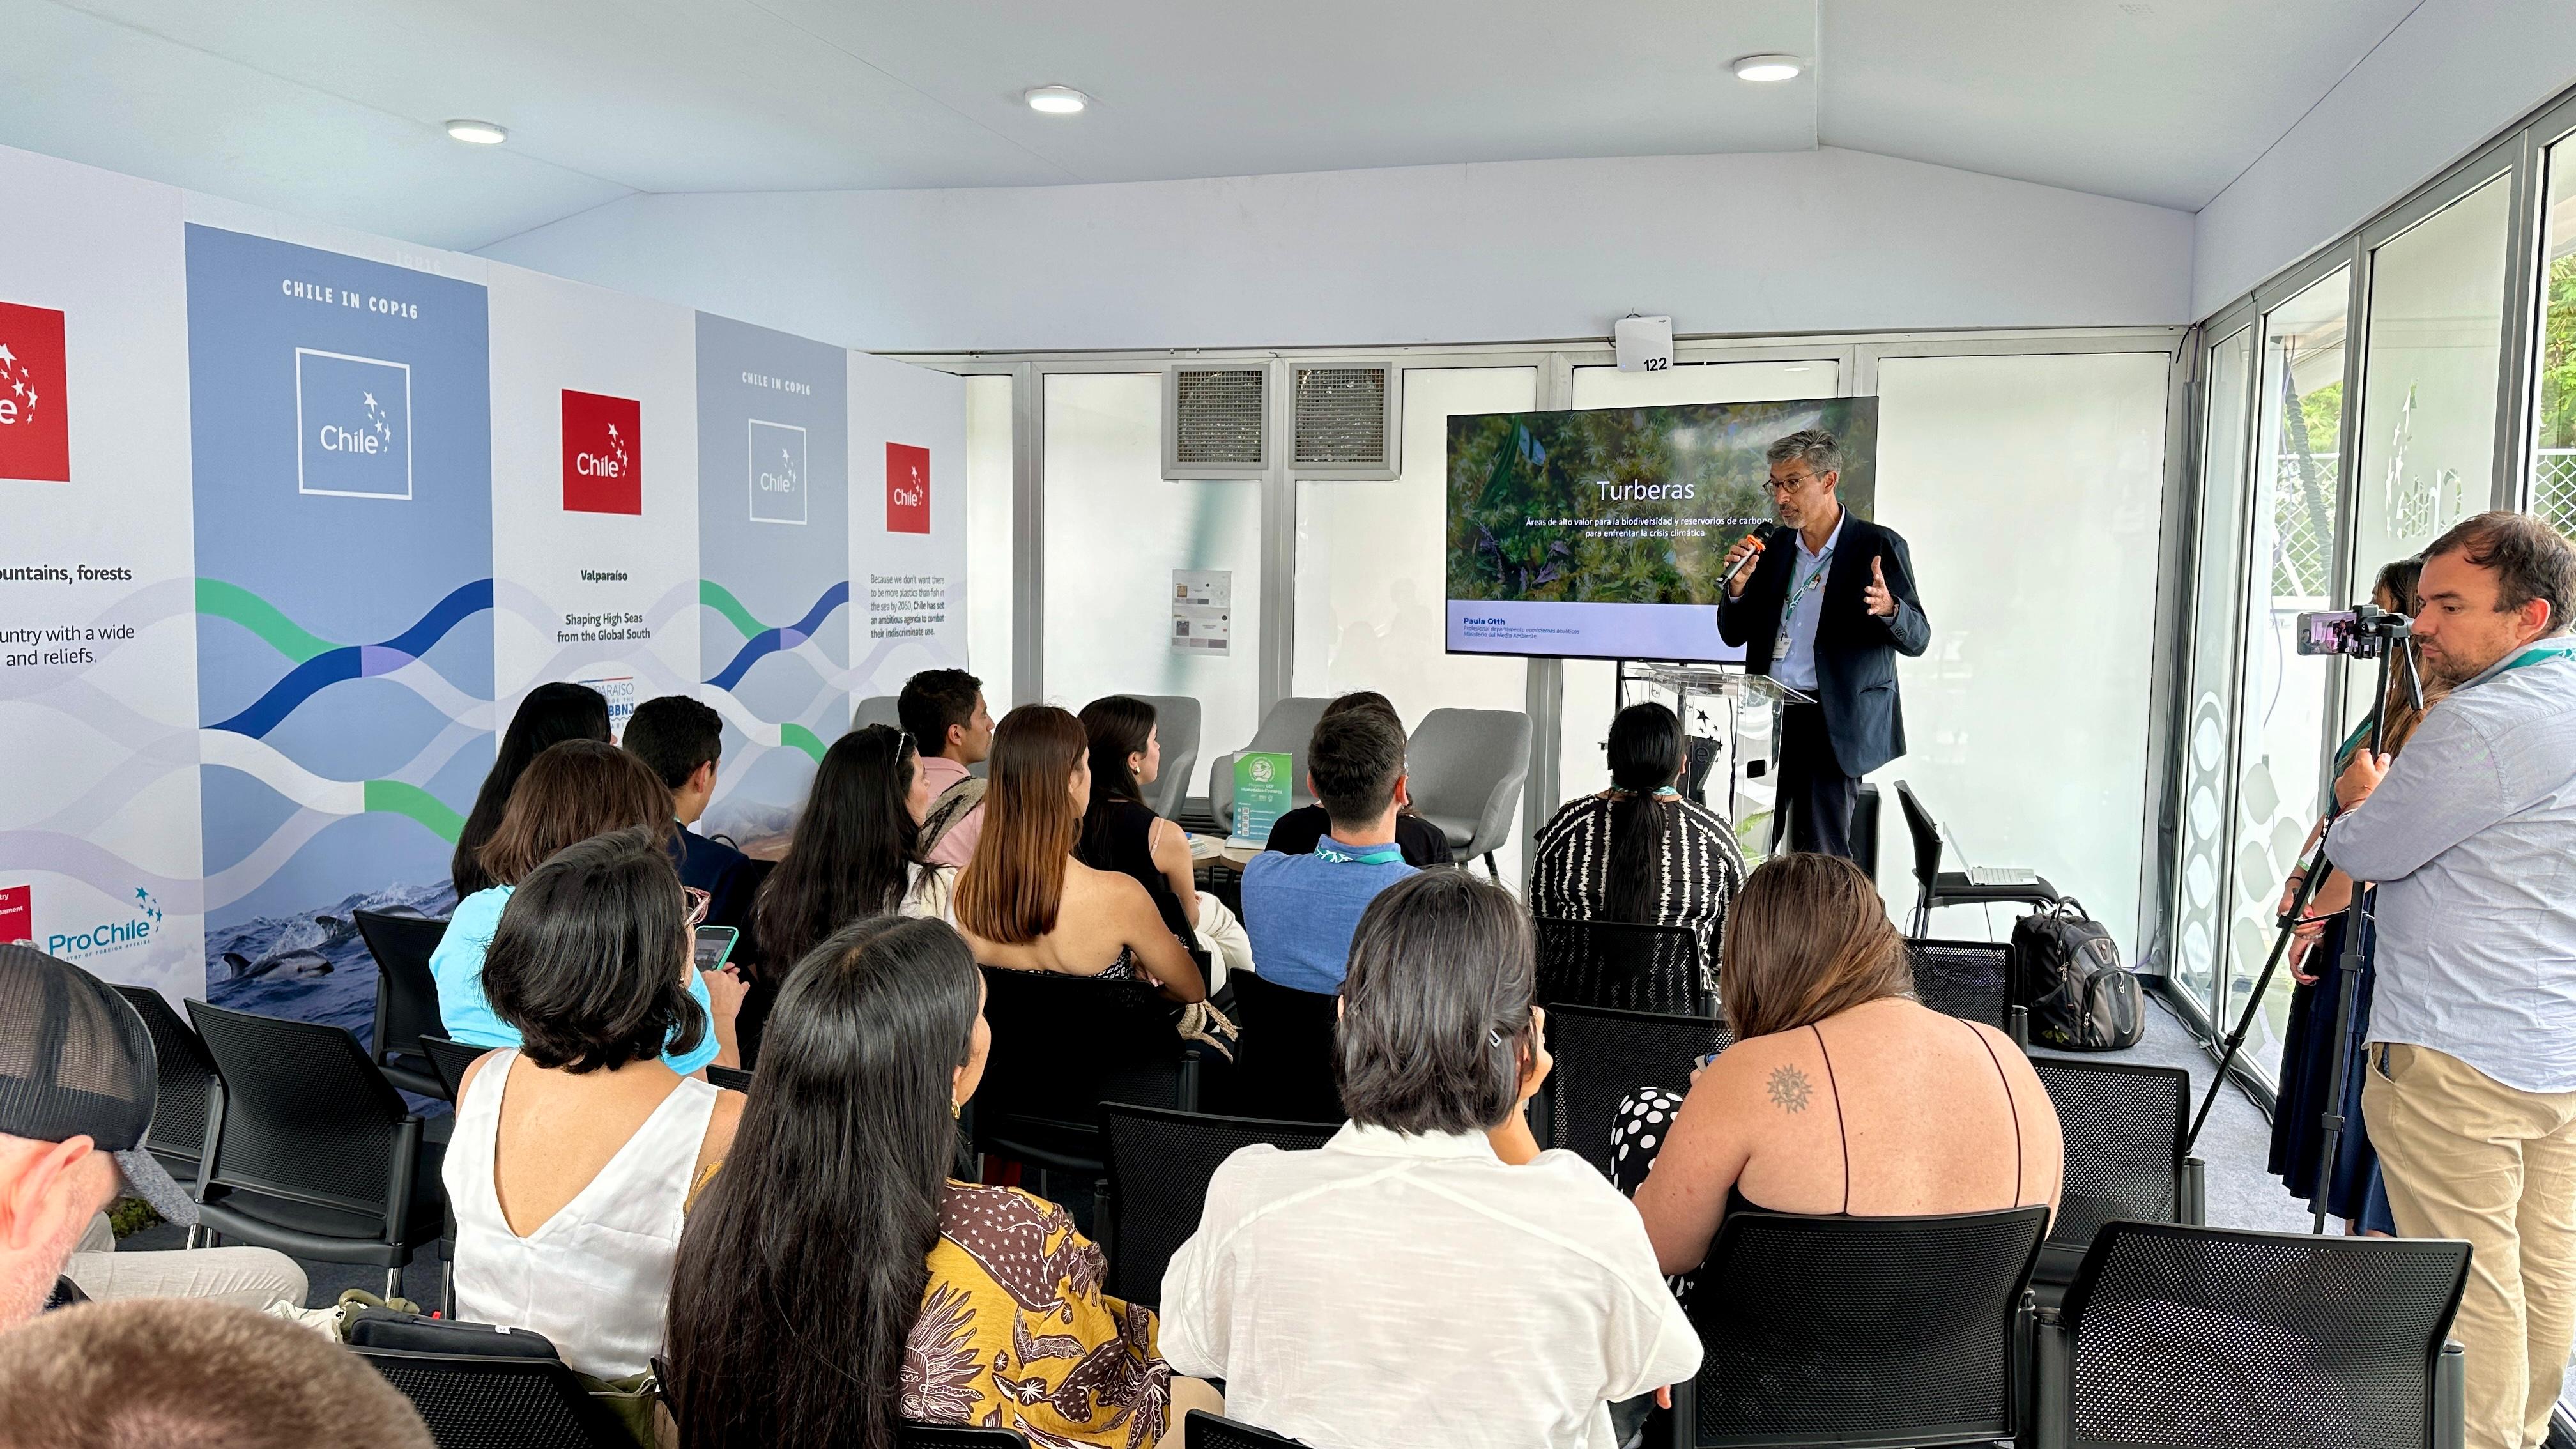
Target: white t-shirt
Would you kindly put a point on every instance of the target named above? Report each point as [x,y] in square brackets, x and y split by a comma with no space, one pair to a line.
[1391,1289]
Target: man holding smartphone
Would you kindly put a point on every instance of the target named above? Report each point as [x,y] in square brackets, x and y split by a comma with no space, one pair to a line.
[1826,614]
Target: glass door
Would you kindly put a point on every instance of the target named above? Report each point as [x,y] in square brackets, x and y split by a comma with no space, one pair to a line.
[2200,925]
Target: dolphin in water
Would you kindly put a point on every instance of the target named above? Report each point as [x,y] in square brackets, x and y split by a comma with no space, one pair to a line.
[305,958]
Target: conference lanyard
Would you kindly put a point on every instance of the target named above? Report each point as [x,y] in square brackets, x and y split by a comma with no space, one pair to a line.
[2554,649]
[1798,595]
[1326,849]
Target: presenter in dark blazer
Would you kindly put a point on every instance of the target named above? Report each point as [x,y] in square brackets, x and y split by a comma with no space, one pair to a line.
[1825,610]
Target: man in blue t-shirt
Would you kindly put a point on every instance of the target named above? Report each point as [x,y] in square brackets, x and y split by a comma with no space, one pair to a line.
[1300,910]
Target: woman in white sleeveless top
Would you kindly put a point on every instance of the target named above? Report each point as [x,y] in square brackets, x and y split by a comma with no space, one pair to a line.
[576,1155]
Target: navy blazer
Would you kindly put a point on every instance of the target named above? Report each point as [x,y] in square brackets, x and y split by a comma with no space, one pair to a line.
[1855,650]
[719,870]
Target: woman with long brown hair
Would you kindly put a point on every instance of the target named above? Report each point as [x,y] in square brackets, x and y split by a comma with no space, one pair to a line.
[1026,902]
[1842,1094]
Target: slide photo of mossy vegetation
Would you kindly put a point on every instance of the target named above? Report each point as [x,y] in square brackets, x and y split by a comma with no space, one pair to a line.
[1634,505]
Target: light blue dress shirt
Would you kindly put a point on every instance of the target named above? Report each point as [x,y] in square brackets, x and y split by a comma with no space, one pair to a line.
[2472,841]
[1795,666]
[457,965]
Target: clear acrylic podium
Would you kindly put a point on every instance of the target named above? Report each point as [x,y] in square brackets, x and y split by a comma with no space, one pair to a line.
[1731,729]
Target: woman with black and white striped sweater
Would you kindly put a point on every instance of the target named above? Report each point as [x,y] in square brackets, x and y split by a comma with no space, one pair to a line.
[1638,851]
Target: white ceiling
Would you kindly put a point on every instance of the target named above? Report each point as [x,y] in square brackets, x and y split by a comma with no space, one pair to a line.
[331,109]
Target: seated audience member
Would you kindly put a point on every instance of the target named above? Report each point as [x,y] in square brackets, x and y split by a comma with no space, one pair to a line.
[1428,1276]
[1300,909]
[576,1153]
[943,710]
[571,792]
[1295,833]
[171,1374]
[77,1084]
[835,1279]
[1638,851]
[855,855]
[1841,1094]
[682,739]
[1025,902]
[1121,833]
[550,715]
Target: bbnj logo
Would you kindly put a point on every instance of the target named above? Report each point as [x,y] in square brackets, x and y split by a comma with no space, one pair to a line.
[35,428]
[603,453]
[907,488]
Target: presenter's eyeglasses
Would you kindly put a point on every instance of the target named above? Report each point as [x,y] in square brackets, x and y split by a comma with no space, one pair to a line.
[1788,485]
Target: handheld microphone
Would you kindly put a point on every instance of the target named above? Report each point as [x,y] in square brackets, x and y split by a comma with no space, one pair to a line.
[1768,533]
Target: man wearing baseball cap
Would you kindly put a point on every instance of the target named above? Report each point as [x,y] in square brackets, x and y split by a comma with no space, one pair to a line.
[76,1092]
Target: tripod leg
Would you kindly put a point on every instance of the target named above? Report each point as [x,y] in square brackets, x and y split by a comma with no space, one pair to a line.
[2253,1003]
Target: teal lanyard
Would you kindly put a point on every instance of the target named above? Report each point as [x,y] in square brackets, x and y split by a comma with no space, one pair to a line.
[1328,849]
[1799,594]
[2554,649]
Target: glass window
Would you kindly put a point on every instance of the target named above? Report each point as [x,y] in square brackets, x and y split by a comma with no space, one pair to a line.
[2553,463]
[1115,532]
[2292,518]
[2200,913]
[988,536]
[1372,574]
[2026,721]
[1591,684]
[2429,379]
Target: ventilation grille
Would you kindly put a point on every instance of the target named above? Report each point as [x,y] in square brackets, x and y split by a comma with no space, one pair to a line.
[1217,417]
[1341,415]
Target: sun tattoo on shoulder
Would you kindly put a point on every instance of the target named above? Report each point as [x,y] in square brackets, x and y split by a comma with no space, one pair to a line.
[1789,1089]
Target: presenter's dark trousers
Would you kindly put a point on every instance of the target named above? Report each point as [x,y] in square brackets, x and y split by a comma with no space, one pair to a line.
[1815,796]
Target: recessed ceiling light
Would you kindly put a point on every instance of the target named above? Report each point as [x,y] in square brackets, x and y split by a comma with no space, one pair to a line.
[1764,68]
[1056,100]
[479,133]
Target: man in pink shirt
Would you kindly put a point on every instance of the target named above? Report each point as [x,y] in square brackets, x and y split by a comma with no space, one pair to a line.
[943,710]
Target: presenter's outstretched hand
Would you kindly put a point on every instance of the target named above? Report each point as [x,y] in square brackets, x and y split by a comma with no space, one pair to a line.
[1750,545]
[1882,604]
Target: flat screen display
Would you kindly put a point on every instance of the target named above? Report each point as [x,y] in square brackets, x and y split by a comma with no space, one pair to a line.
[1602,533]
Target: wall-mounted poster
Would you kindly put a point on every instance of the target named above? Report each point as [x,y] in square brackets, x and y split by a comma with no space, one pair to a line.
[594,492]
[773,565]
[908,523]
[98,661]
[340,412]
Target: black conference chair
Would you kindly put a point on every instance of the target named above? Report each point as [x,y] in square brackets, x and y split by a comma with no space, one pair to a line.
[1971,980]
[2124,1127]
[1283,1066]
[1935,887]
[312,1151]
[732,1079]
[450,1058]
[406,996]
[1062,1046]
[1160,1163]
[1857,1331]
[1602,1055]
[1625,965]
[2192,1335]
[476,1401]
[1215,1431]
[181,1098]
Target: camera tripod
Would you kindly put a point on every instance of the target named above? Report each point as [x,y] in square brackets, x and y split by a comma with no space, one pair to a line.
[2384,636]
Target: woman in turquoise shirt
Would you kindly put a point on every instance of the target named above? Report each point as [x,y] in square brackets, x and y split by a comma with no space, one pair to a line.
[571,792]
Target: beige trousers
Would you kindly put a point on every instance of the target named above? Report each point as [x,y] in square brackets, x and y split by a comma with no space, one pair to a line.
[2465,1156]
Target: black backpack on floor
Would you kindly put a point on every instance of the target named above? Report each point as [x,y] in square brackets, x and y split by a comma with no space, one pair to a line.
[2067,971]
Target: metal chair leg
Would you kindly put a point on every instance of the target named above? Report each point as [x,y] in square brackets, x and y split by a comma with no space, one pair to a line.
[393,1283]
[1491,870]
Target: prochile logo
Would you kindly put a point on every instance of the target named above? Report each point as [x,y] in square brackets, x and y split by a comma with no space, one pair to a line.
[907,488]
[141,923]
[603,453]
[35,425]
[353,425]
